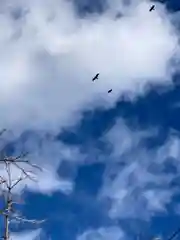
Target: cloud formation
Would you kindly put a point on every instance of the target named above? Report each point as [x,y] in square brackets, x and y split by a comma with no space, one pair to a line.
[47,153]
[26,235]
[108,233]
[49,55]
[138,180]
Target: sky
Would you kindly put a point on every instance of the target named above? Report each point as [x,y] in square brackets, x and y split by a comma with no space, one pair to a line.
[110,162]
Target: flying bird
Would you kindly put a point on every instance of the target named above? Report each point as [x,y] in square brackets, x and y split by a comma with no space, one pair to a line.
[95,77]
[110,90]
[152,8]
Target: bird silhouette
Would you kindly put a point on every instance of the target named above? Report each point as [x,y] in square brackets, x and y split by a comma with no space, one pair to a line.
[110,90]
[152,8]
[95,77]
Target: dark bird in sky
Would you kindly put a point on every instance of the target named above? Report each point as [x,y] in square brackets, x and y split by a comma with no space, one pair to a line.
[152,8]
[95,77]
[110,90]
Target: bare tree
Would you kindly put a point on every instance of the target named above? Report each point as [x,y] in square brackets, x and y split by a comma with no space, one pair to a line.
[8,186]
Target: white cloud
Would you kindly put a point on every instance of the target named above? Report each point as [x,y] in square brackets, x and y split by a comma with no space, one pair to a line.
[47,153]
[123,139]
[171,148]
[49,181]
[136,182]
[48,56]
[108,233]
[26,235]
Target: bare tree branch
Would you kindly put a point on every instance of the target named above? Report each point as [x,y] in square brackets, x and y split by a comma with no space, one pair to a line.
[7,184]
[21,219]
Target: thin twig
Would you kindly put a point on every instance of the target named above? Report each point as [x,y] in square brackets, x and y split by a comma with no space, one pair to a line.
[9,212]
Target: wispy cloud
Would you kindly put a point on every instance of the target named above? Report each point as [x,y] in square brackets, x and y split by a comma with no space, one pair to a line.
[26,235]
[137,182]
[48,56]
[108,233]
[47,153]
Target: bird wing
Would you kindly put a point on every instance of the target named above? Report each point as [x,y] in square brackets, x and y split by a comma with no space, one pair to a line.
[151,8]
[95,77]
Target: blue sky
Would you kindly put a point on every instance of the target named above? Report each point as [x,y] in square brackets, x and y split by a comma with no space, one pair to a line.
[111,161]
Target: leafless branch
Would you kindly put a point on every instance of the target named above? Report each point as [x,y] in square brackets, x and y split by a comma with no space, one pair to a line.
[21,219]
[7,184]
